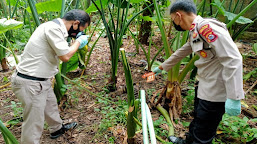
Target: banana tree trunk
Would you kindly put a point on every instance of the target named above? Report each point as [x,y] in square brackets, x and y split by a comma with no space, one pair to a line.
[145,29]
[4,65]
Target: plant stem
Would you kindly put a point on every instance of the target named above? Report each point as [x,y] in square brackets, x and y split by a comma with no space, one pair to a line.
[167,117]
[5,85]
[140,124]
[34,11]
[15,57]
[77,84]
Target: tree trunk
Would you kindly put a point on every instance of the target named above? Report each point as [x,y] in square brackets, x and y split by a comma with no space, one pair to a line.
[145,28]
[4,65]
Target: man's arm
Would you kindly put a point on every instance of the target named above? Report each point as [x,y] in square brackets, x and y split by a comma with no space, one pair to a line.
[73,49]
[177,56]
[57,41]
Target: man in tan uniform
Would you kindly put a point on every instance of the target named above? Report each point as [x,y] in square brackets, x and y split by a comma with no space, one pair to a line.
[220,70]
[39,62]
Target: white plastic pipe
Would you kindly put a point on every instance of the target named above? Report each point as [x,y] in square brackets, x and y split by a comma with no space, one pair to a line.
[150,125]
[144,117]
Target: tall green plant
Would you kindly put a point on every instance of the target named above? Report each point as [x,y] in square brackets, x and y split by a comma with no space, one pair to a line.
[172,88]
[131,125]
[7,135]
[114,30]
[147,53]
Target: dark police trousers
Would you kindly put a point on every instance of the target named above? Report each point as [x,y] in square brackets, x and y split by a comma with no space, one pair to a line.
[207,116]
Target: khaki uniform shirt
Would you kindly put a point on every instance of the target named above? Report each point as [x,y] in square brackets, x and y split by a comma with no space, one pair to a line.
[40,56]
[220,69]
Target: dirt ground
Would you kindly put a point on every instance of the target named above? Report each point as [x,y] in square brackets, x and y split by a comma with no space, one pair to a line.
[97,75]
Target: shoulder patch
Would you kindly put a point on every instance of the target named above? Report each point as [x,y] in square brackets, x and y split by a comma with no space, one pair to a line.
[211,37]
[207,32]
[204,28]
[192,26]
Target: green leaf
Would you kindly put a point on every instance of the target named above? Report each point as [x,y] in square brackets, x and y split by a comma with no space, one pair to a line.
[12,2]
[241,19]
[10,24]
[234,128]
[136,1]
[155,64]
[147,18]
[255,48]
[250,74]
[92,7]
[254,120]
[73,63]
[245,119]
[8,136]
[51,5]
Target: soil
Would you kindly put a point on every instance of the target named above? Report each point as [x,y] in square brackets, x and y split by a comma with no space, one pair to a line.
[82,108]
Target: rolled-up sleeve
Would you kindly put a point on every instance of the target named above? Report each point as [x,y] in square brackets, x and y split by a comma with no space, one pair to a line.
[56,40]
[177,56]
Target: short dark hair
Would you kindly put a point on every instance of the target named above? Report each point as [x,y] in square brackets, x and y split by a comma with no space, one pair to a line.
[79,15]
[187,6]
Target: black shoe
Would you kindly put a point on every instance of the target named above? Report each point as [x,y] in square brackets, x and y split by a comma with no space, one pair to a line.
[189,138]
[176,140]
[64,128]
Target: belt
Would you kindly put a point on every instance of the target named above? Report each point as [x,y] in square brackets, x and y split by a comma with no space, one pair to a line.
[31,77]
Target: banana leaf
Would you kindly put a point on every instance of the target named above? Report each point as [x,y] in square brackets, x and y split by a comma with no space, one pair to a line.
[230,15]
[50,6]
[241,19]
[6,25]
[73,63]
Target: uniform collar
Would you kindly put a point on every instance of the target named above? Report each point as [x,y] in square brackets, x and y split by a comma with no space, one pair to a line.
[196,20]
[65,31]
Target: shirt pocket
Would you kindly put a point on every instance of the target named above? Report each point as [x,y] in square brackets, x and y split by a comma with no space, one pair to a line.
[206,54]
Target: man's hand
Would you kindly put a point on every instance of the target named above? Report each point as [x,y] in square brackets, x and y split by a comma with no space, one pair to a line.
[157,71]
[233,107]
[82,39]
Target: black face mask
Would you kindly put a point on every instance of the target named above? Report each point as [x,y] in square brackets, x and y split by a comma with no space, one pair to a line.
[73,33]
[178,27]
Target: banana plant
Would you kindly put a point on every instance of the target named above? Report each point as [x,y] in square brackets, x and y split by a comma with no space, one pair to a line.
[114,30]
[150,62]
[7,135]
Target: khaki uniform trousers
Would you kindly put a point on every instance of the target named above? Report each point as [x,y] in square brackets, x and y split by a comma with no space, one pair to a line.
[39,103]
